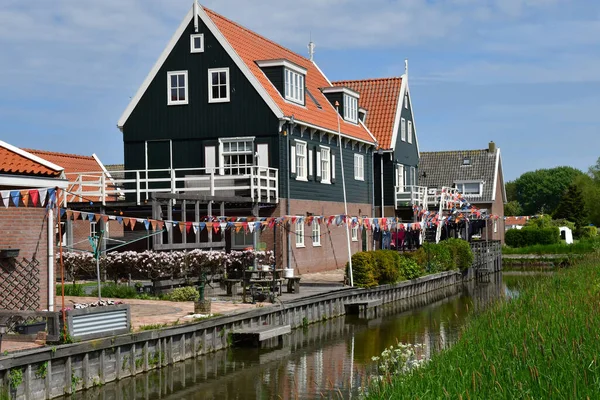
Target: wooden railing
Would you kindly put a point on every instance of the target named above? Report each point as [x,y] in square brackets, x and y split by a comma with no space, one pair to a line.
[410,196]
[260,184]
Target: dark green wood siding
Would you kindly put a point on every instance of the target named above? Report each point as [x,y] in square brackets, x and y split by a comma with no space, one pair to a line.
[339,97]
[246,114]
[276,76]
[404,152]
[357,191]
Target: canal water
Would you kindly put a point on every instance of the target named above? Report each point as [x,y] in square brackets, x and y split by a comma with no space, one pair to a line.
[331,359]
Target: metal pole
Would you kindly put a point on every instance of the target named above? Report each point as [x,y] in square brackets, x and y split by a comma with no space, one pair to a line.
[287,201]
[98,270]
[51,280]
[345,201]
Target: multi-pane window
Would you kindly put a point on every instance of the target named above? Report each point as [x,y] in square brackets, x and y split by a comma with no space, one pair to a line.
[350,108]
[294,86]
[469,188]
[299,233]
[359,167]
[316,233]
[325,165]
[93,229]
[403,129]
[177,91]
[218,85]
[197,43]
[410,132]
[301,160]
[237,156]
[355,233]
[242,240]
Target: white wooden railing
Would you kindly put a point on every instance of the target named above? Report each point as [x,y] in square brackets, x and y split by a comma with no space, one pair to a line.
[261,184]
[411,196]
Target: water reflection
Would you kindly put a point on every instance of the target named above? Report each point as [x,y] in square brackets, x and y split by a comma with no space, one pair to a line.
[326,360]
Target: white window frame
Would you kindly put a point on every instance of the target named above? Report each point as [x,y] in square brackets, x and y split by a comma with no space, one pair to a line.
[325,165]
[495,226]
[401,178]
[403,129]
[409,132]
[301,161]
[170,101]
[237,152]
[359,167]
[299,233]
[350,108]
[193,48]
[211,99]
[316,234]
[460,185]
[293,83]
[354,233]
[93,228]
[406,100]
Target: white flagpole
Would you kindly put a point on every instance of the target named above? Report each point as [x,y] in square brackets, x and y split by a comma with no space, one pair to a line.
[337,105]
[196,16]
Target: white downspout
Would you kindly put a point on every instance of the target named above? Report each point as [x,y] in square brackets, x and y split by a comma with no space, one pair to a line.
[50,259]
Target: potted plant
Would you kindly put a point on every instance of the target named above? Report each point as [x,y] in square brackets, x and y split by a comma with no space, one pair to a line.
[31,328]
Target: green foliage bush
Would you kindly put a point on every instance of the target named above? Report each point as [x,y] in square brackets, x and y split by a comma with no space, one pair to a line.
[434,257]
[186,293]
[363,269]
[409,269]
[588,232]
[70,290]
[531,236]
[386,266]
[117,291]
[460,251]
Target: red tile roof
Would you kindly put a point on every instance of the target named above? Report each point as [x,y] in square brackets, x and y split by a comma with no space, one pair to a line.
[11,162]
[72,163]
[521,220]
[252,47]
[380,98]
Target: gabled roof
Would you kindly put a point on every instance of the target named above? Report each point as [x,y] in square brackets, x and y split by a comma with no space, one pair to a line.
[15,161]
[520,220]
[72,163]
[246,48]
[444,168]
[382,98]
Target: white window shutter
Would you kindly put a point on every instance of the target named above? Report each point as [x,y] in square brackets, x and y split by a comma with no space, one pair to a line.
[333,168]
[293,159]
[210,161]
[263,155]
[310,164]
[318,164]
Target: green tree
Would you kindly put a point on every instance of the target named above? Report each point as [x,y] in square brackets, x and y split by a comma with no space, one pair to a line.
[591,197]
[511,191]
[572,206]
[594,171]
[540,191]
[513,208]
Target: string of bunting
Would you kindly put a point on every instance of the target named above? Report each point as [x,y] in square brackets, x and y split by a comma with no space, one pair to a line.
[42,197]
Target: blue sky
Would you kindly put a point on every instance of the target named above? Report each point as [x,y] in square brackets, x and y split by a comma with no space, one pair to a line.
[523,73]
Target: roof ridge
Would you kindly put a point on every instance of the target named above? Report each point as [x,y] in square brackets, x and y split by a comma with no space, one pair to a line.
[254,33]
[389,78]
[56,153]
[454,151]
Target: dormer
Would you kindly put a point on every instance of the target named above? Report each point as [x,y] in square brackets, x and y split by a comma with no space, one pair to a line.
[287,77]
[348,100]
[362,114]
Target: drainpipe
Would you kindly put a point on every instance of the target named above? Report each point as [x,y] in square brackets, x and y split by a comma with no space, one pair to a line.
[381,160]
[373,183]
[50,259]
[287,201]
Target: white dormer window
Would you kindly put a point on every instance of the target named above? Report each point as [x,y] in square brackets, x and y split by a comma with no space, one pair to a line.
[350,108]
[197,43]
[294,86]
[473,188]
[177,89]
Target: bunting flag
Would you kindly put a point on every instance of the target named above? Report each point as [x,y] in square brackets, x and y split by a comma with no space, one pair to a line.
[5,197]
[25,197]
[15,195]
[76,215]
[147,224]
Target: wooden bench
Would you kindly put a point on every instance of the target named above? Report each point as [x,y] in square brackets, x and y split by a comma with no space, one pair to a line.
[293,285]
[361,306]
[257,335]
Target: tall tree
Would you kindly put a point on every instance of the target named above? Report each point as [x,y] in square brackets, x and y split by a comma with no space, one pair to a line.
[513,208]
[591,197]
[511,191]
[594,171]
[540,191]
[572,206]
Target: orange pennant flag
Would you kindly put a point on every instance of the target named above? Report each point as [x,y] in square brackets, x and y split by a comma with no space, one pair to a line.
[76,215]
[132,222]
[182,226]
[125,221]
[69,214]
[97,217]
[153,222]
[25,197]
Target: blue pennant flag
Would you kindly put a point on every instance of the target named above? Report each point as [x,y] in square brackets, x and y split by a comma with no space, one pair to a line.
[15,196]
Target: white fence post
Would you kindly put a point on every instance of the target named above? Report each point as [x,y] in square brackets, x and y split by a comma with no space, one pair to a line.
[137,187]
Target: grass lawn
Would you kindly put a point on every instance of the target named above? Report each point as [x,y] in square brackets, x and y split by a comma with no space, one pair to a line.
[579,247]
[543,344]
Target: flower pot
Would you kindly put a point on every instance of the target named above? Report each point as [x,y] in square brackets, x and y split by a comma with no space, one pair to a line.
[288,273]
[30,329]
[202,307]
[266,268]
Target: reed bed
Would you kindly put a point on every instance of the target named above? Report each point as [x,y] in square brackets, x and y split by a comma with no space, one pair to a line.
[543,344]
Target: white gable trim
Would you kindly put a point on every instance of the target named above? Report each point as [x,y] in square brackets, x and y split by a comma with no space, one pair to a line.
[19,181]
[398,113]
[496,173]
[30,156]
[412,113]
[319,69]
[174,39]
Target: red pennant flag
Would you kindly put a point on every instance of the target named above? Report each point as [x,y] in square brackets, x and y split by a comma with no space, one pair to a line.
[125,221]
[34,195]
[161,224]
[188,226]
[76,215]
[153,223]
[105,218]
[132,222]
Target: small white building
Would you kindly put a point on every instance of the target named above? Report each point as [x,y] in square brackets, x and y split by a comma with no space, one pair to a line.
[566,234]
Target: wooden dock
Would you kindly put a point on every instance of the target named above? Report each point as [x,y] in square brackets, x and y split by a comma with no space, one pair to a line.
[362,307]
[257,335]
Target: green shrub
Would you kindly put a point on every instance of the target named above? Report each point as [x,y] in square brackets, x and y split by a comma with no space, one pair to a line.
[588,232]
[564,222]
[117,291]
[460,250]
[387,263]
[363,269]
[70,290]
[434,258]
[409,269]
[186,293]
[532,236]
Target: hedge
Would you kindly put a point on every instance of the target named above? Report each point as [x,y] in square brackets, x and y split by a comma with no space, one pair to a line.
[532,236]
[588,232]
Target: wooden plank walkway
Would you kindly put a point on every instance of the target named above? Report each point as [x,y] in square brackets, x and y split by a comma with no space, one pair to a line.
[259,334]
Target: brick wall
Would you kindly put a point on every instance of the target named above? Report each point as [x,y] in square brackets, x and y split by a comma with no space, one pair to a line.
[25,229]
[81,233]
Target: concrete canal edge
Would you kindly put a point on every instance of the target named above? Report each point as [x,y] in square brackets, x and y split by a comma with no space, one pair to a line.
[54,371]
